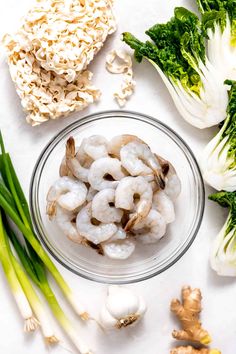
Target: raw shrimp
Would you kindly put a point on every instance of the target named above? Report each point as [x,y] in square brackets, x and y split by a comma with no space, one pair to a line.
[84,160]
[119,235]
[121,249]
[154,186]
[66,221]
[119,141]
[129,189]
[162,203]
[105,173]
[73,162]
[68,193]
[138,159]
[91,194]
[96,146]
[151,229]
[92,232]
[172,181]
[64,170]
[103,207]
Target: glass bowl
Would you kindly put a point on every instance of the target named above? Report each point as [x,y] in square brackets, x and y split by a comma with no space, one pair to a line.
[148,260]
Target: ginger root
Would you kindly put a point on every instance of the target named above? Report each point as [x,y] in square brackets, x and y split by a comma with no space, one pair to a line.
[191,350]
[188,314]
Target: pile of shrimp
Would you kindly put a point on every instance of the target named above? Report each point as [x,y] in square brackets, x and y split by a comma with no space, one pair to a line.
[113,194]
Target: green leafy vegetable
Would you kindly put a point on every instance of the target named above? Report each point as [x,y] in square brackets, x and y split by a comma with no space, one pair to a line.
[223,257]
[177,51]
[219,27]
[218,162]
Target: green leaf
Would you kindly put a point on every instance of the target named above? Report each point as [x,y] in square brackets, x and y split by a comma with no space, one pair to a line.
[177,48]
[229,127]
[227,200]
[224,199]
[212,18]
[215,12]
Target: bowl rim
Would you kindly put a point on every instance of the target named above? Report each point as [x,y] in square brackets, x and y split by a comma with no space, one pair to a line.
[107,279]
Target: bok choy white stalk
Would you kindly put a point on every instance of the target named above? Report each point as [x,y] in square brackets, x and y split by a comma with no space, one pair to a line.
[218,161]
[223,255]
[177,51]
[219,26]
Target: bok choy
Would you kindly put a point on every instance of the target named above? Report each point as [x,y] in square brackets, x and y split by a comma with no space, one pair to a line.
[177,51]
[219,26]
[223,256]
[218,161]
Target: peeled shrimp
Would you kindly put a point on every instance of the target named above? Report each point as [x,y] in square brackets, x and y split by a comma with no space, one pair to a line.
[121,249]
[151,229]
[65,221]
[73,162]
[96,146]
[138,159]
[91,194]
[64,170]
[162,203]
[68,193]
[94,233]
[83,159]
[102,209]
[127,190]
[119,235]
[119,141]
[105,173]
[172,181]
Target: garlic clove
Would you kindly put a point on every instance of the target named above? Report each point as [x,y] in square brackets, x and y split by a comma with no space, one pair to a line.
[142,306]
[106,320]
[121,302]
[122,308]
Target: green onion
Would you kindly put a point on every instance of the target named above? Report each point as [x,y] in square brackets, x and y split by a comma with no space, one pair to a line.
[35,269]
[35,302]
[21,217]
[63,320]
[31,323]
[32,257]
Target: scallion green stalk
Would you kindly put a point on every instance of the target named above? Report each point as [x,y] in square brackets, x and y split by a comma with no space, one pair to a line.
[62,319]
[44,257]
[21,217]
[31,322]
[35,269]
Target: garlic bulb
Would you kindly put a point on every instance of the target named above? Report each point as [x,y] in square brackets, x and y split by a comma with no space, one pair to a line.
[122,308]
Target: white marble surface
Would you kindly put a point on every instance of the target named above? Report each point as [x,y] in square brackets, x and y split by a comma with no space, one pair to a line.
[153,335]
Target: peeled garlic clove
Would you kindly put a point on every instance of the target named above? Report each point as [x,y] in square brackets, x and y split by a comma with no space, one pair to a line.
[106,319]
[122,308]
[142,306]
